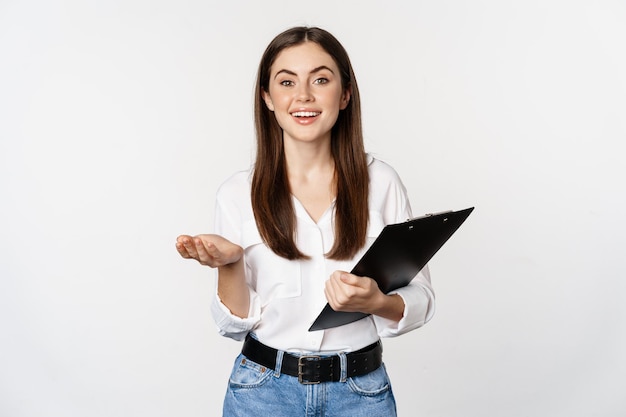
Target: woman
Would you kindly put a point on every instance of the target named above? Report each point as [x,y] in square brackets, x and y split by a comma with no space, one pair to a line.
[289,229]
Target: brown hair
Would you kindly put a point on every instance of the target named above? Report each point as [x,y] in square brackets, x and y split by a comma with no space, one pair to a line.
[271,195]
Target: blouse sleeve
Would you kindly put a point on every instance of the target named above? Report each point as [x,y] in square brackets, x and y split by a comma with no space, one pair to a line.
[418,296]
[228,224]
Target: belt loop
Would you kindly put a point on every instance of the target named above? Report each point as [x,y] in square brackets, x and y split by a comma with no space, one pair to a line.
[343,360]
[279,363]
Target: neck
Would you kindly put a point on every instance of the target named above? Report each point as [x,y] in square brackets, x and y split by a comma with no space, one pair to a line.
[305,159]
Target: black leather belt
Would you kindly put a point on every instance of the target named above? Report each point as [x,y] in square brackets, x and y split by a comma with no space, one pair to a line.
[313,369]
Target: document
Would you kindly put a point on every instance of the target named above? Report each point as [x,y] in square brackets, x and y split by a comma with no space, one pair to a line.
[396,256]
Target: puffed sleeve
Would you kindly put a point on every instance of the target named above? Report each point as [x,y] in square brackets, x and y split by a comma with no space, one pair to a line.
[228,224]
[418,296]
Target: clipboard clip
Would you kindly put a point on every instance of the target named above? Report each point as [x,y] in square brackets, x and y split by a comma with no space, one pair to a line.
[439,213]
[430,215]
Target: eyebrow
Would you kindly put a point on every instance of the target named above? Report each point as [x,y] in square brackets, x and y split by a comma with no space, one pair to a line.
[313,71]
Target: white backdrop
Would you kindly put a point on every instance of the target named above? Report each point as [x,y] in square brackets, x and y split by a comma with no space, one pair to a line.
[119,119]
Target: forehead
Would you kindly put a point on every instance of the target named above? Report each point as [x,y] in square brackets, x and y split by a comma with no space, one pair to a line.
[303,58]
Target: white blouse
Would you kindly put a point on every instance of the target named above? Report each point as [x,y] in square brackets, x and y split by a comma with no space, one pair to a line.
[286,296]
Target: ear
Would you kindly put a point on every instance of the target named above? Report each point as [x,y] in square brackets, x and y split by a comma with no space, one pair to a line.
[268,100]
[345,97]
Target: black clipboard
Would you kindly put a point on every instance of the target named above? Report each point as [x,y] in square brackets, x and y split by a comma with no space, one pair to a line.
[396,256]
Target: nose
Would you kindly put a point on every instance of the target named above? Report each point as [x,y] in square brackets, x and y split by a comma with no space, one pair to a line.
[304,92]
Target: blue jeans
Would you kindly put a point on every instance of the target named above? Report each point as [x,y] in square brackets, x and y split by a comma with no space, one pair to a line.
[256,391]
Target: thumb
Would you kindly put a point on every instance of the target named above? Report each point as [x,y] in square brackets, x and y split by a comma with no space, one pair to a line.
[349,279]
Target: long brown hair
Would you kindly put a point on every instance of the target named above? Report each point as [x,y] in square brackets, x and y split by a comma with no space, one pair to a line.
[271,194]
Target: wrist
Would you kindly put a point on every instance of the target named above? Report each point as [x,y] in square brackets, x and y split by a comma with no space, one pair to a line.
[390,307]
[236,263]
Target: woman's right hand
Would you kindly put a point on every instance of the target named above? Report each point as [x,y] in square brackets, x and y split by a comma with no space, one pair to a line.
[211,250]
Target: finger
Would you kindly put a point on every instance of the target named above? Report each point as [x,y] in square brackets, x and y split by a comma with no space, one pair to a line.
[210,253]
[331,298]
[339,292]
[201,249]
[340,296]
[190,246]
[211,249]
[333,284]
[345,277]
[187,247]
[180,238]
[350,279]
[181,250]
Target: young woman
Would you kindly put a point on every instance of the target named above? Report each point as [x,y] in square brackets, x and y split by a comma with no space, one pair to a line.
[287,231]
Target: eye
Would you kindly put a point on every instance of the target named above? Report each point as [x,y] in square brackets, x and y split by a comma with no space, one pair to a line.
[287,83]
[321,80]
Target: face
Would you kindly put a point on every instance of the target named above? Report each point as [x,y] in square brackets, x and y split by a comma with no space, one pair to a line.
[305,93]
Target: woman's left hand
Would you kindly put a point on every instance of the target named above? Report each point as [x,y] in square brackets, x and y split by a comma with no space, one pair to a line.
[349,292]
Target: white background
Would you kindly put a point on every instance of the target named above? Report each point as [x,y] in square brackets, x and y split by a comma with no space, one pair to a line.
[119,119]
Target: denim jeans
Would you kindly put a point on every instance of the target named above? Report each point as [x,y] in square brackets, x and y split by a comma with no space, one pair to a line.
[256,391]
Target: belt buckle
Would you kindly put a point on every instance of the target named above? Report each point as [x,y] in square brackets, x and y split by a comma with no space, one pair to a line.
[302,360]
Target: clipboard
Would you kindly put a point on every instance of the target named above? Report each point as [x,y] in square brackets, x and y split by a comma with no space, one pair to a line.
[396,256]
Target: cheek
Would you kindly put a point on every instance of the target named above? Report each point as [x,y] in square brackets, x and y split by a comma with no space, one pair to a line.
[282,118]
[339,99]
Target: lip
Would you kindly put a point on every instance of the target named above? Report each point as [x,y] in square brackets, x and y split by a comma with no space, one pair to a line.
[305,112]
[305,116]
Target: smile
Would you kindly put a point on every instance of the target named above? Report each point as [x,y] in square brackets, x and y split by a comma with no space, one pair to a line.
[305,114]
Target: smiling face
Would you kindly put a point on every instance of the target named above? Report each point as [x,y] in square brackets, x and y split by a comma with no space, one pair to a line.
[305,93]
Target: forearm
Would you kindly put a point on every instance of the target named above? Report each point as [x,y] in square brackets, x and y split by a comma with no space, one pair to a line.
[390,307]
[232,288]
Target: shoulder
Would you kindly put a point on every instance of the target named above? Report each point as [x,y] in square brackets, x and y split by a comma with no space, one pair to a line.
[381,172]
[235,187]
[387,195]
[237,181]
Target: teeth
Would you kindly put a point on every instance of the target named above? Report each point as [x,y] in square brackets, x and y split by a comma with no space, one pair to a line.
[305,114]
